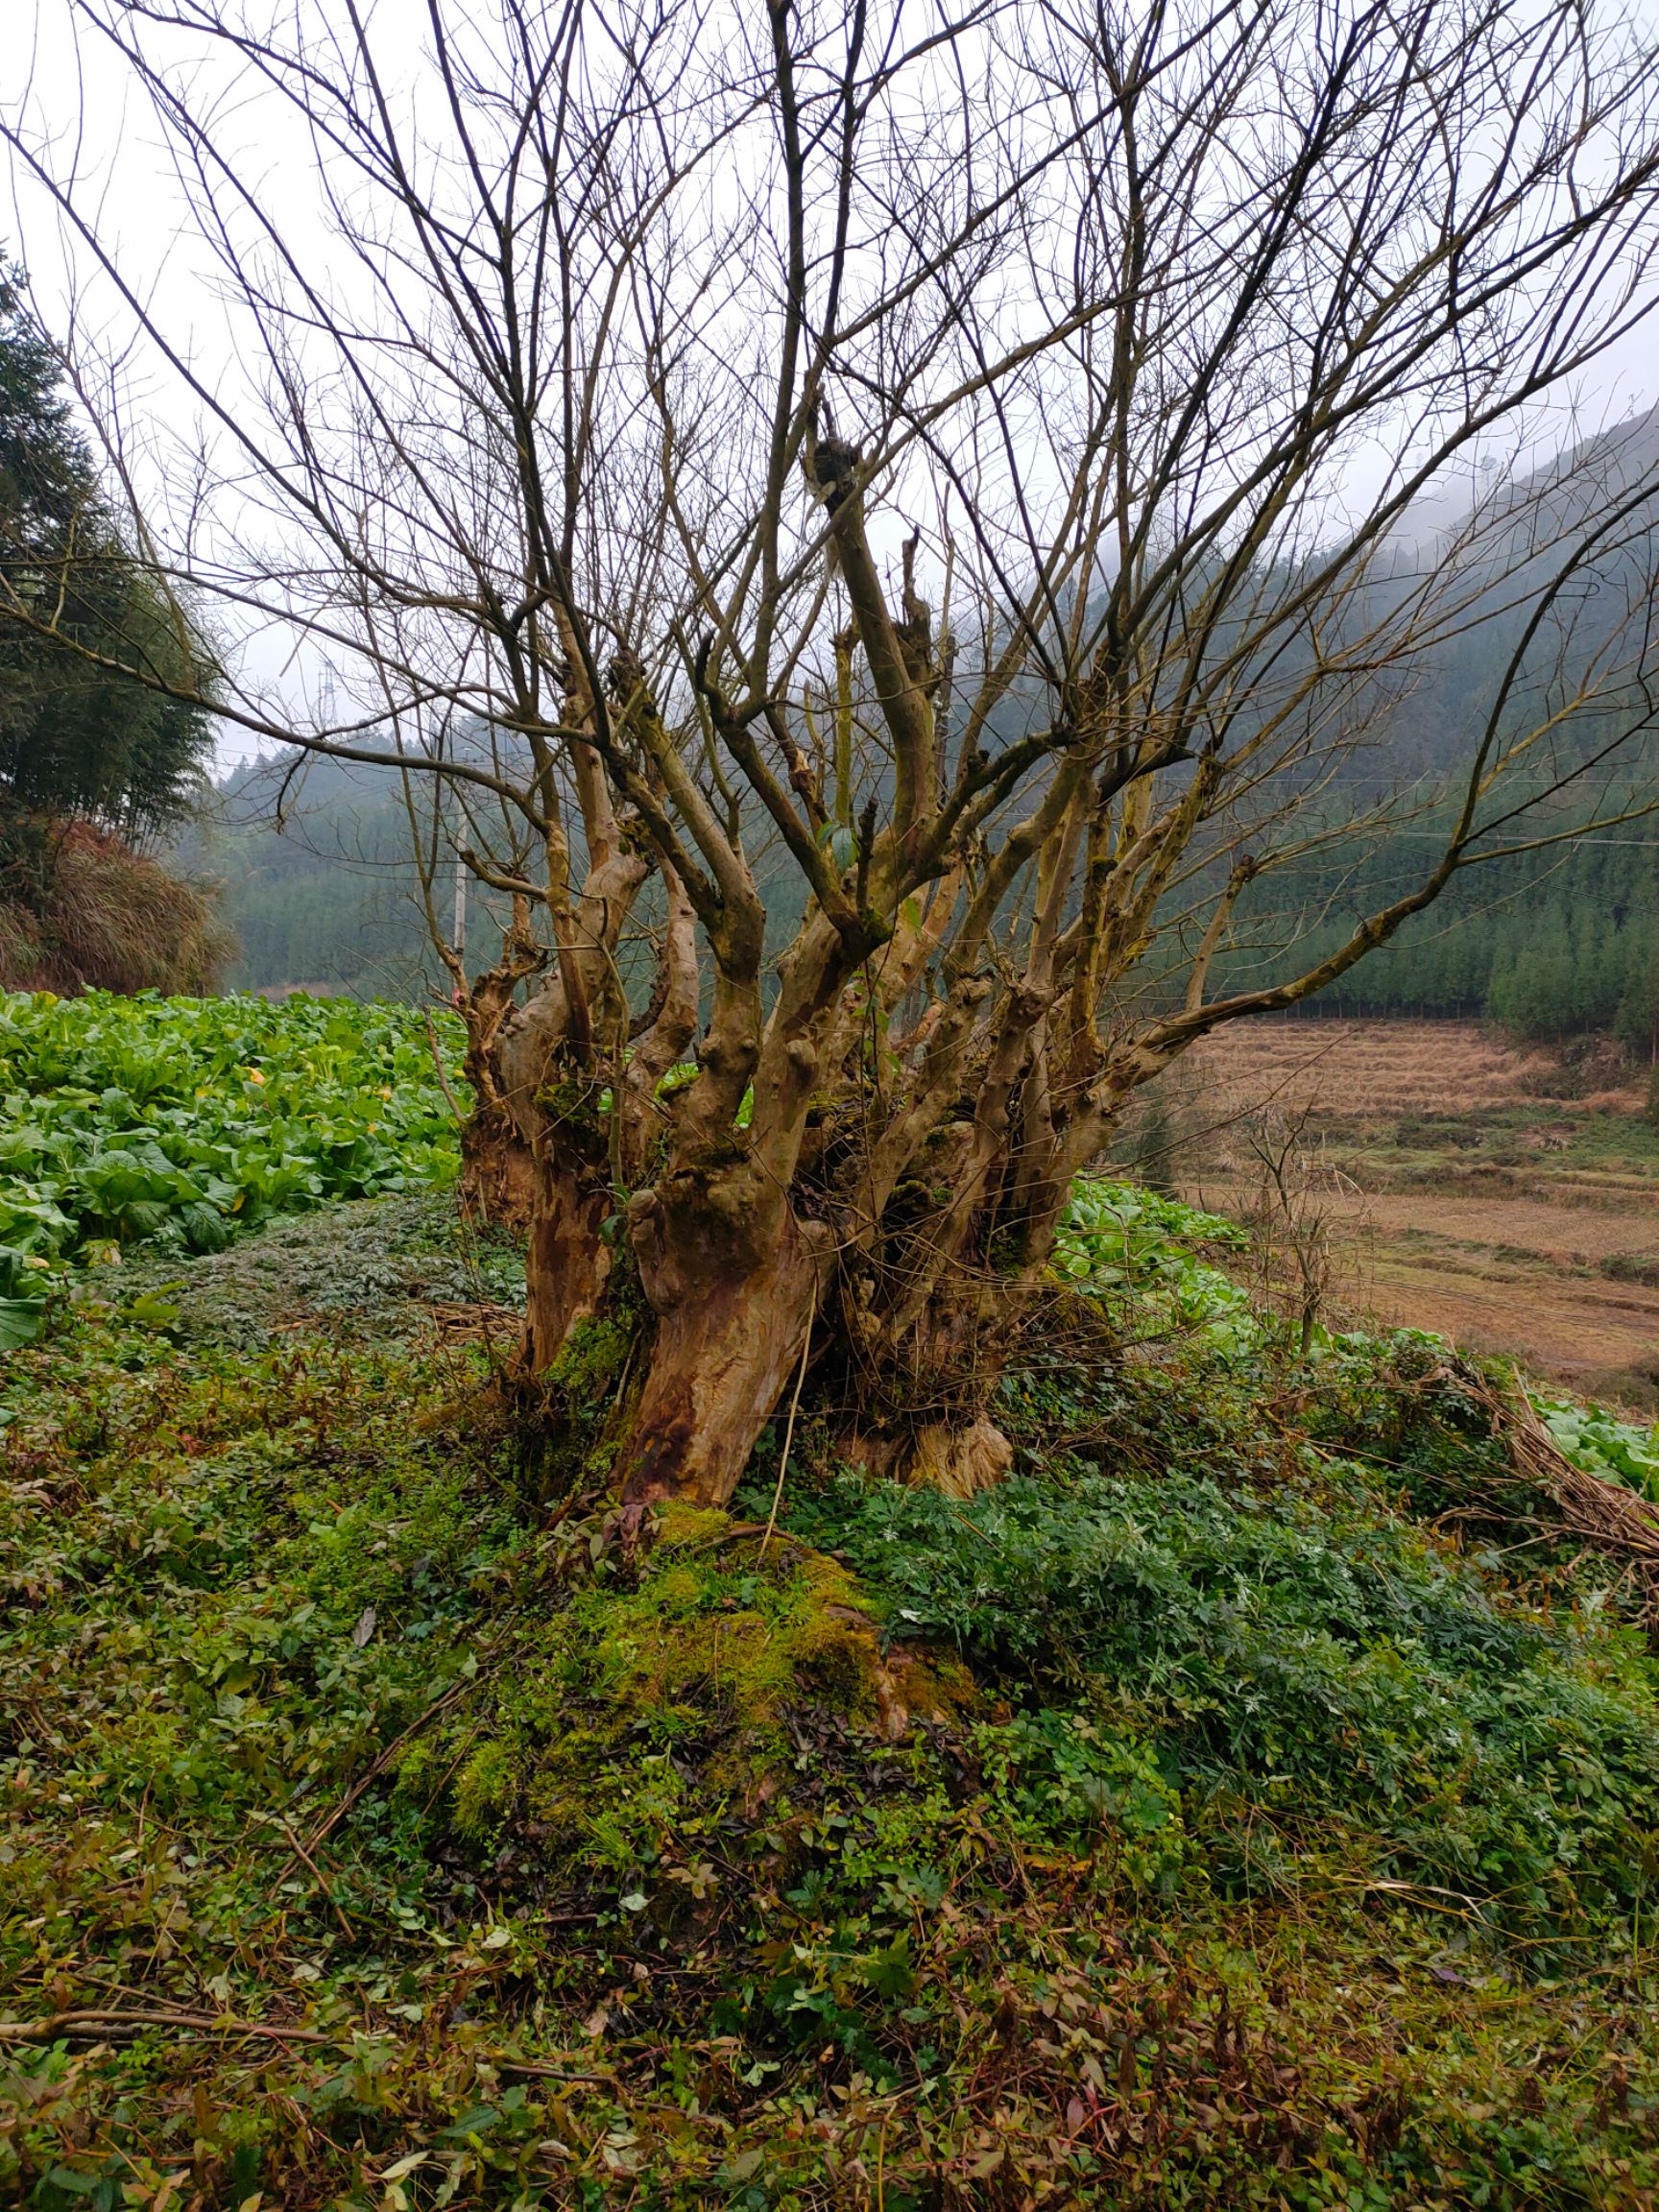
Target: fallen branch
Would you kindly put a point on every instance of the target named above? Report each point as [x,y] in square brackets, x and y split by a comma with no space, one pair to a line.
[1606,1516]
[378,1767]
[552,2073]
[100,2026]
[317,1875]
[76,2025]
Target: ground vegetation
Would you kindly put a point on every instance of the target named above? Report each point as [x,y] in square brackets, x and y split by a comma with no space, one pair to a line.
[1248,1801]
[80,908]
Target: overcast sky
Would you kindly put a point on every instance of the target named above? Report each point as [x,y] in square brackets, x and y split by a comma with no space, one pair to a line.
[76,91]
[75,88]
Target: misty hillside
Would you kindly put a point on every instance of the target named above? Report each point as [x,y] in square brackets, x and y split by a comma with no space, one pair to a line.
[315,880]
[312,857]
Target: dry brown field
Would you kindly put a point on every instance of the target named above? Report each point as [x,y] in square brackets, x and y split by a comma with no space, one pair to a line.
[1505,1196]
[1384,1070]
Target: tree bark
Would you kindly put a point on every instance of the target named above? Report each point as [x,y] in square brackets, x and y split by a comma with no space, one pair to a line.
[567,1265]
[497,1171]
[735,1280]
[497,1166]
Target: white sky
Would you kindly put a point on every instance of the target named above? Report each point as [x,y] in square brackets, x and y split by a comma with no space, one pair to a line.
[76,91]
[75,88]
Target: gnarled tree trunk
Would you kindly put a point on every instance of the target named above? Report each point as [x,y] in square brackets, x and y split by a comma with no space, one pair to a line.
[497,1168]
[734,1280]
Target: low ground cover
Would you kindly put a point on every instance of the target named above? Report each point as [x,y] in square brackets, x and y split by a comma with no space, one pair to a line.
[1252,1801]
[1191,1821]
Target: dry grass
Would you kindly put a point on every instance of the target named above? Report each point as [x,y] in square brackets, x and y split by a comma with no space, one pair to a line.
[1598,1337]
[1605,1516]
[1463,1192]
[95,915]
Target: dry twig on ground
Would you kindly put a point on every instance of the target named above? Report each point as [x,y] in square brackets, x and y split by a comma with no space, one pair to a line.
[1611,1519]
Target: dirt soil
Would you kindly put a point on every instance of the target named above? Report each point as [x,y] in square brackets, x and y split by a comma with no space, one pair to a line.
[1504,1196]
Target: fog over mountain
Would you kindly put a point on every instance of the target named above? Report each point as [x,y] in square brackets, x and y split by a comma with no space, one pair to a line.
[313,855]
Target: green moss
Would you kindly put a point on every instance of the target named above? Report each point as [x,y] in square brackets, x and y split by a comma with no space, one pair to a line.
[685,1527]
[695,1663]
[569,1420]
[484,1789]
[574,1102]
[713,1628]
[593,1356]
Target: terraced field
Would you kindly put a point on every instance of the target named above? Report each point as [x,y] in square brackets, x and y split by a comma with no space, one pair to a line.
[1509,1197]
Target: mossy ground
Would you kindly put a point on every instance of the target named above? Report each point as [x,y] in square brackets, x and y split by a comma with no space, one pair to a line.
[1212,1815]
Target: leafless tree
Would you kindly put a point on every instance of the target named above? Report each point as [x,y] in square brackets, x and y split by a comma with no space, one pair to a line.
[889,526]
[1290,1212]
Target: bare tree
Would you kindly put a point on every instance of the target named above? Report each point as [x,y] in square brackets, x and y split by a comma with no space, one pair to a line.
[1290,1212]
[897,525]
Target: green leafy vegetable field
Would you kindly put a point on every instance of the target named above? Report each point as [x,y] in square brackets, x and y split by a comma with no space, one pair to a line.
[191,1120]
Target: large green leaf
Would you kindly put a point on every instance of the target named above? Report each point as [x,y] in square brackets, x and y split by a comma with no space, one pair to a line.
[21,1321]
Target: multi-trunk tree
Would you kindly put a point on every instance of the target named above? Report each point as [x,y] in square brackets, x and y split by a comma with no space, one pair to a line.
[882,532]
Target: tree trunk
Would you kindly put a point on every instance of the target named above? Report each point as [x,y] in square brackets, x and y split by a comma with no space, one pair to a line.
[934,1322]
[497,1167]
[497,1171]
[719,1367]
[567,1265]
[924,1392]
[735,1280]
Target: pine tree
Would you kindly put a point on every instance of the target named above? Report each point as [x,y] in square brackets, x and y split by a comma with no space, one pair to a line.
[77,739]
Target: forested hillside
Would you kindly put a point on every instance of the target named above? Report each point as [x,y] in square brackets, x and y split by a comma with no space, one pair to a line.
[314,855]
[1554,938]
[316,882]
[1547,944]
[314,866]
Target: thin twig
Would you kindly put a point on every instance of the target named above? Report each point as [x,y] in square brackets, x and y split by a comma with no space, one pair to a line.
[77,2024]
[438,1063]
[789,1427]
[349,1933]
[552,2073]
